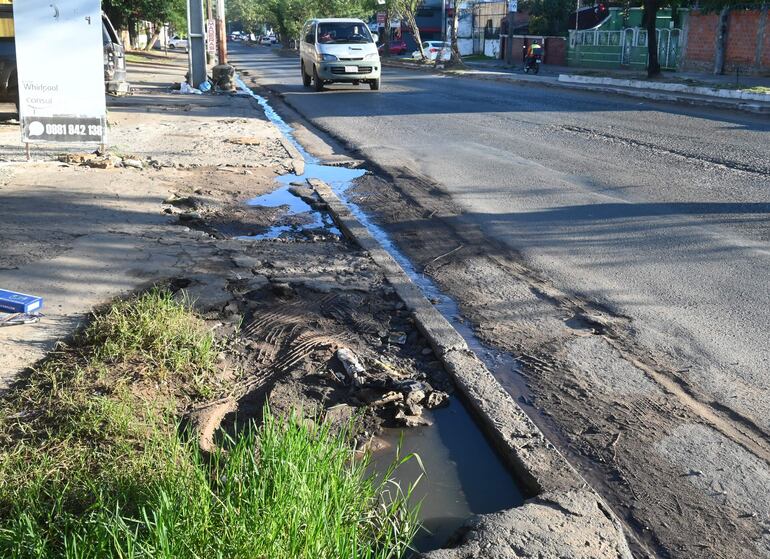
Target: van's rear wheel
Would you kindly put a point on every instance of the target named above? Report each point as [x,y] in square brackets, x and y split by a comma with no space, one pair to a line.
[318,84]
[305,78]
[374,85]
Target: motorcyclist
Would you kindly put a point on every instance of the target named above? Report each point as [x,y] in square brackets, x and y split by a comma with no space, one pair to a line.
[534,52]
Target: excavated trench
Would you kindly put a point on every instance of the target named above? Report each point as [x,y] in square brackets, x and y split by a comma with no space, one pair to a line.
[463,475]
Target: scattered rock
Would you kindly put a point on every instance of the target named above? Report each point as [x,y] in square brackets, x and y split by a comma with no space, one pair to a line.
[387,398]
[412,400]
[340,415]
[570,524]
[189,216]
[207,420]
[411,420]
[206,293]
[245,261]
[244,141]
[397,338]
[355,371]
[436,399]
[283,290]
[134,163]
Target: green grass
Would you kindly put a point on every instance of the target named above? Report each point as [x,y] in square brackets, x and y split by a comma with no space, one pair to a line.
[757,89]
[477,57]
[93,462]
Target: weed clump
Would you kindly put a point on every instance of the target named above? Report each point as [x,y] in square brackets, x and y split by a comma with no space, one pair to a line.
[92,463]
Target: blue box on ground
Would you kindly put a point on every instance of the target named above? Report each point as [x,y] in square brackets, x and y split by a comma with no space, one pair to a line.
[19,302]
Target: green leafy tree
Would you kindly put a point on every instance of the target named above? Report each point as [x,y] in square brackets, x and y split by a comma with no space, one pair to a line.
[246,12]
[157,12]
[407,10]
[549,17]
[288,16]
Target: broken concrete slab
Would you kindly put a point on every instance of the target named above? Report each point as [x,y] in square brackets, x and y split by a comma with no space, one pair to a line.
[571,524]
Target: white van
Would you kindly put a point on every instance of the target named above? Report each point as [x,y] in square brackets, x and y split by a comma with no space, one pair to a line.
[338,50]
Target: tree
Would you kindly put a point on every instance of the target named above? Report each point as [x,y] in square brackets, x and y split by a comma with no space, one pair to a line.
[455,57]
[407,9]
[549,17]
[288,16]
[157,12]
[244,11]
[650,17]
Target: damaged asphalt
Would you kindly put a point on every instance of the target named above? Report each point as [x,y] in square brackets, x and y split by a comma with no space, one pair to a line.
[613,248]
[312,320]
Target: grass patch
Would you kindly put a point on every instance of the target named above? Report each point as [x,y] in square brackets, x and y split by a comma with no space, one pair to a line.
[92,463]
[477,57]
[757,89]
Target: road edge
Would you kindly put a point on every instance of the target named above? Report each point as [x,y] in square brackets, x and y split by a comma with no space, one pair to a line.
[547,476]
[716,103]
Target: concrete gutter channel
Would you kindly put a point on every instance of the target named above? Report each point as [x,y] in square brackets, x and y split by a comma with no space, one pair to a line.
[676,93]
[563,516]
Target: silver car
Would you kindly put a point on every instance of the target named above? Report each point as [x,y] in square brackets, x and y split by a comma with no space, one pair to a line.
[338,50]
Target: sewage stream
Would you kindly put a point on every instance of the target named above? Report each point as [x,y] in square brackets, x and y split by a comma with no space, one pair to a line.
[463,474]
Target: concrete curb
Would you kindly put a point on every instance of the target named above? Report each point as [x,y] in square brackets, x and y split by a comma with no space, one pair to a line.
[542,470]
[537,464]
[533,459]
[671,87]
[653,95]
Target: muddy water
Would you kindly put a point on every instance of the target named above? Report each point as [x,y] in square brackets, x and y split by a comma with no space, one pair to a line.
[463,474]
[301,216]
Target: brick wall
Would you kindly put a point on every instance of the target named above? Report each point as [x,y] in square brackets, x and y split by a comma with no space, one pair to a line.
[741,38]
[765,56]
[556,51]
[741,47]
[555,48]
[701,40]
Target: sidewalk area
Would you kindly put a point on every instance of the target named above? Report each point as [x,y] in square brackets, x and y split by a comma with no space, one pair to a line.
[688,88]
[79,235]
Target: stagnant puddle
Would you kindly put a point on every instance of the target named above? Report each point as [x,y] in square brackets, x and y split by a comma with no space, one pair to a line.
[463,474]
[298,217]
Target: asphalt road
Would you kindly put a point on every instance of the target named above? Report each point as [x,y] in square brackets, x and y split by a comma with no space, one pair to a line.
[656,210]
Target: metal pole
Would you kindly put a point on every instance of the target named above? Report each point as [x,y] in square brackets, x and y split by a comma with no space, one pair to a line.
[197,47]
[577,17]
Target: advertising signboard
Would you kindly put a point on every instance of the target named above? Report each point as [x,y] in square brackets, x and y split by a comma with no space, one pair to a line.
[211,36]
[60,61]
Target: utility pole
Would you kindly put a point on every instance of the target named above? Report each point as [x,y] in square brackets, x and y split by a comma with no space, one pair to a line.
[577,17]
[197,47]
[513,7]
[221,33]
[443,21]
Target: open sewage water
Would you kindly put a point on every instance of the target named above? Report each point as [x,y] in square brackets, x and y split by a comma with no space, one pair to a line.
[463,475]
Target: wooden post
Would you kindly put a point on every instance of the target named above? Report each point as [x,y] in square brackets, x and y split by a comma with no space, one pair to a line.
[221,33]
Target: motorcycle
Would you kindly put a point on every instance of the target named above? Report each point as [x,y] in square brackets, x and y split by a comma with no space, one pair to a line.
[533,64]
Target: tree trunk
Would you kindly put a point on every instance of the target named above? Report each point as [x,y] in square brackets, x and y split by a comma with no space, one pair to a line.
[152,39]
[411,21]
[650,13]
[719,55]
[456,58]
[131,35]
[386,32]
